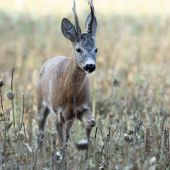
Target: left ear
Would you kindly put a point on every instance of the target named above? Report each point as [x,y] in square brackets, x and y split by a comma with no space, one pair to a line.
[91,22]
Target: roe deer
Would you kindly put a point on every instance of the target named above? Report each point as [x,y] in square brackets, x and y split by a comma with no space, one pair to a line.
[63,86]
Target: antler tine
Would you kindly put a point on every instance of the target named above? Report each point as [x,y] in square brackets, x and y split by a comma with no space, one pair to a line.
[91,16]
[90,2]
[76,18]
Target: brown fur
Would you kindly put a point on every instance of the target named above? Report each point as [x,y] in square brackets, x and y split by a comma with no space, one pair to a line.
[63,87]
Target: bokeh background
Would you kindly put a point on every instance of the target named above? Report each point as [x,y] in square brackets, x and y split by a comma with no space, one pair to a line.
[56,7]
[130,90]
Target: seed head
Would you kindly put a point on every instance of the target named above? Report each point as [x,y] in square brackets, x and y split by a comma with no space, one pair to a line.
[152,160]
[10,95]
[116,83]
[20,136]
[57,156]
[128,138]
[1,83]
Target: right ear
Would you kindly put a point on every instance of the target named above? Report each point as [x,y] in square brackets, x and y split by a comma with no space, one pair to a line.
[69,30]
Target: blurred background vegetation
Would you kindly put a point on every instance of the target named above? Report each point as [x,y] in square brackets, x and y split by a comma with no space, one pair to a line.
[57,7]
[130,89]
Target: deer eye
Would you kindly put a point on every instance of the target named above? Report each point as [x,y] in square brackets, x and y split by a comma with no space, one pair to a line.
[96,50]
[79,50]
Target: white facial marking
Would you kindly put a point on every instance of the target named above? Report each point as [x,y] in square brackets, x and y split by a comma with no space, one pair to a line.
[90,61]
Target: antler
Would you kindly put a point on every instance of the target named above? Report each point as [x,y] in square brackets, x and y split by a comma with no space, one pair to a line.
[91,22]
[76,18]
[90,2]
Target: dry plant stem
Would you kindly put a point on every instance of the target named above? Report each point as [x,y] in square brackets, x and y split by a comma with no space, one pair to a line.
[167,139]
[94,97]
[2,107]
[94,144]
[12,102]
[108,135]
[30,122]
[25,132]
[23,110]
[95,133]
[107,150]
[103,141]
[5,130]
[164,142]
[102,134]
[147,140]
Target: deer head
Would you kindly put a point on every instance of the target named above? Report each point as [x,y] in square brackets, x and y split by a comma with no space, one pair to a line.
[84,43]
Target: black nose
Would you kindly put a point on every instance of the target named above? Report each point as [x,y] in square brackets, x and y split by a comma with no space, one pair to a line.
[90,67]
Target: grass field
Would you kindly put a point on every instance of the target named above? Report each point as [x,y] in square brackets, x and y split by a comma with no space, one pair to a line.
[130,92]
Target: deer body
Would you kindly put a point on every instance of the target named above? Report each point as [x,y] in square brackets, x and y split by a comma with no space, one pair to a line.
[63,86]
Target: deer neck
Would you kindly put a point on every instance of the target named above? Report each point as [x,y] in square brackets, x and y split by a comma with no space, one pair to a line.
[74,79]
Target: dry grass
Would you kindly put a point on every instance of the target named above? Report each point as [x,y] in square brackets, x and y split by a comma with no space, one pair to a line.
[130,92]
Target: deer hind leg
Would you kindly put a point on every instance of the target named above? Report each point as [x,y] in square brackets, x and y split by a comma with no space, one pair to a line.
[63,131]
[43,112]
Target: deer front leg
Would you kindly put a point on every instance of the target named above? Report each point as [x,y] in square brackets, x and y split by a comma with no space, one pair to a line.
[68,127]
[60,137]
[88,120]
[86,117]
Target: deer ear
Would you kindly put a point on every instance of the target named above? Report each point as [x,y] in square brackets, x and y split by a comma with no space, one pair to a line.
[91,23]
[69,30]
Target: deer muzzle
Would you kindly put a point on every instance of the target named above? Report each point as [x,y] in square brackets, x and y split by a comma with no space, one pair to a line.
[89,68]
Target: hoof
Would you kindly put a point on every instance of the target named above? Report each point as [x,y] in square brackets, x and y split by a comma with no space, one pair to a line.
[82,144]
[91,122]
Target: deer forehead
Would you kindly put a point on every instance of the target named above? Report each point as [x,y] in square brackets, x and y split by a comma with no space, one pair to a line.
[87,42]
